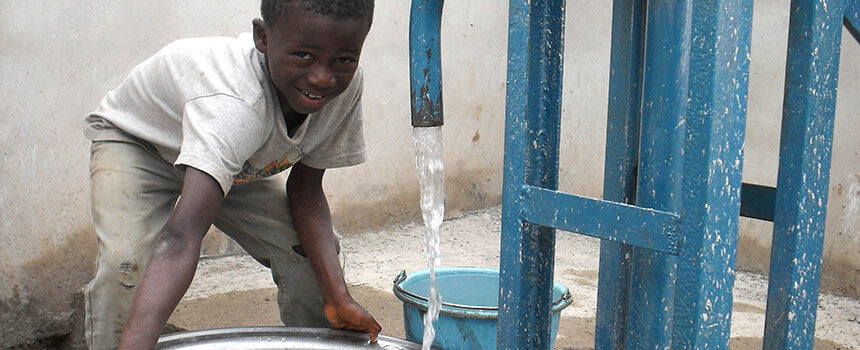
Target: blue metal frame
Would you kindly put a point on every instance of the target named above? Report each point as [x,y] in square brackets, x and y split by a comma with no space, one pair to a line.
[801,196]
[532,207]
[530,200]
[667,264]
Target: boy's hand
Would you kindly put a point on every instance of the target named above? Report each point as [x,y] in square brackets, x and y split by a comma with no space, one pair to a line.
[350,316]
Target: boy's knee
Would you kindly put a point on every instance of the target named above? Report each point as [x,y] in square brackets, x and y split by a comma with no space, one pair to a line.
[129,273]
[125,272]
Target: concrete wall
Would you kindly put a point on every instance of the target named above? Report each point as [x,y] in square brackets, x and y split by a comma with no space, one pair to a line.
[57,60]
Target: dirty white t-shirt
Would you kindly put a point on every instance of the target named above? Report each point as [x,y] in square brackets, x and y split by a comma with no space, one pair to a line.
[208,103]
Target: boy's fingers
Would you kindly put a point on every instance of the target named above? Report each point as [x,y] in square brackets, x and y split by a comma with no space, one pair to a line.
[375,328]
[357,319]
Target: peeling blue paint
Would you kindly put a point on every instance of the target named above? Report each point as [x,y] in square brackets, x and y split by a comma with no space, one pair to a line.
[664,103]
[641,227]
[535,43]
[425,63]
[815,30]
[715,123]
[620,166]
[675,134]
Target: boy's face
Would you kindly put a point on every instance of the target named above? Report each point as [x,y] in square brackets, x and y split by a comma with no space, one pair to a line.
[311,58]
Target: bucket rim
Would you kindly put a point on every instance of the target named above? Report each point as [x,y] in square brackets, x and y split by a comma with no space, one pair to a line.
[489,312]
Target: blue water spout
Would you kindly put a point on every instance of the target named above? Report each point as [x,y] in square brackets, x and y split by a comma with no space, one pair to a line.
[425,66]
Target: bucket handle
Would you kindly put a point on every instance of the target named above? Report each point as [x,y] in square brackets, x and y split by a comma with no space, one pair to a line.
[565,297]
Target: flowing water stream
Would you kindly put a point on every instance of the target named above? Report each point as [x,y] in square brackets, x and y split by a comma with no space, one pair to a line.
[428,159]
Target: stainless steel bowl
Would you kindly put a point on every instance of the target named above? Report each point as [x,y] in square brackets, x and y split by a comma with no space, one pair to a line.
[248,338]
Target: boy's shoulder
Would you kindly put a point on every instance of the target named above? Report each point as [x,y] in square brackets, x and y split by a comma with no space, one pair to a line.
[207,66]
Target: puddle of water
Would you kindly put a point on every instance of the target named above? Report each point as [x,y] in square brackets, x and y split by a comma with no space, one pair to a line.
[428,159]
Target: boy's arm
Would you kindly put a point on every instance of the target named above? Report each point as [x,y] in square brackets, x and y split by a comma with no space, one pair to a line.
[173,261]
[312,219]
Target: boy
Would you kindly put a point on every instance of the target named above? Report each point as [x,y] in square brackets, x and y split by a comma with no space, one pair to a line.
[206,121]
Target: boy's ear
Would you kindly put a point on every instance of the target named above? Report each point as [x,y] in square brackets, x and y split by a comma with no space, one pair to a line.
[261,39]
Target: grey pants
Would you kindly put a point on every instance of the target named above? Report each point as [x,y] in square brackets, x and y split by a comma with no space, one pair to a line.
[133,193]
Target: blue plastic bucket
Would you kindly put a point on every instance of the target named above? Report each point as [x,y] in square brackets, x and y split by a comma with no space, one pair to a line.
[470,306]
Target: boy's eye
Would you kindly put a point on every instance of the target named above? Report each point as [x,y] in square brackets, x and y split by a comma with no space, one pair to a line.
[345,60]
[303,55]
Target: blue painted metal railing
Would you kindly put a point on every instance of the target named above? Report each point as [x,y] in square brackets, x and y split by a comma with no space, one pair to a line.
[672,189]
[674,149]
[711,125]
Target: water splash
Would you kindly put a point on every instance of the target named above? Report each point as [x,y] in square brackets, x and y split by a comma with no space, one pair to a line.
[428,160]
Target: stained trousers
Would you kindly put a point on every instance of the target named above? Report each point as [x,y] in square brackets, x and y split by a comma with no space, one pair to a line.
[133,193]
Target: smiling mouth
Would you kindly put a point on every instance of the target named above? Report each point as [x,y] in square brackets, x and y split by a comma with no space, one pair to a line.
[312,96]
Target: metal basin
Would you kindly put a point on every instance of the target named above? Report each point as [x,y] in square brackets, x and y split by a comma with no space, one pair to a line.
[248,338]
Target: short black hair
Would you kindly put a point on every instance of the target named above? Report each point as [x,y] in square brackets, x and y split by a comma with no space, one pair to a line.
[272,10]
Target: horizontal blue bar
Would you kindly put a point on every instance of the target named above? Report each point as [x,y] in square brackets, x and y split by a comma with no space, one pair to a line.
[641,227]
[757,201]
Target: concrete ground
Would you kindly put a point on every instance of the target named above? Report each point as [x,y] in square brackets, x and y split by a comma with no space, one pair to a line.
[236,291]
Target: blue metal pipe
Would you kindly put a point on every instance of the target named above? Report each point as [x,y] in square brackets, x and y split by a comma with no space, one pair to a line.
[622,158]
[425,64]
[533,112]
[664,105]
[812,68]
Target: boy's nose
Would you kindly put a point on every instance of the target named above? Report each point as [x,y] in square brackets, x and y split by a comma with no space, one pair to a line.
[322,76]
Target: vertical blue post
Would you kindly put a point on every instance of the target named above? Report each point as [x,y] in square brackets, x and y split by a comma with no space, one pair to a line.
[713,158]
[622,155]
[664,104]
[425,64]
[535,48]
[815,30]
